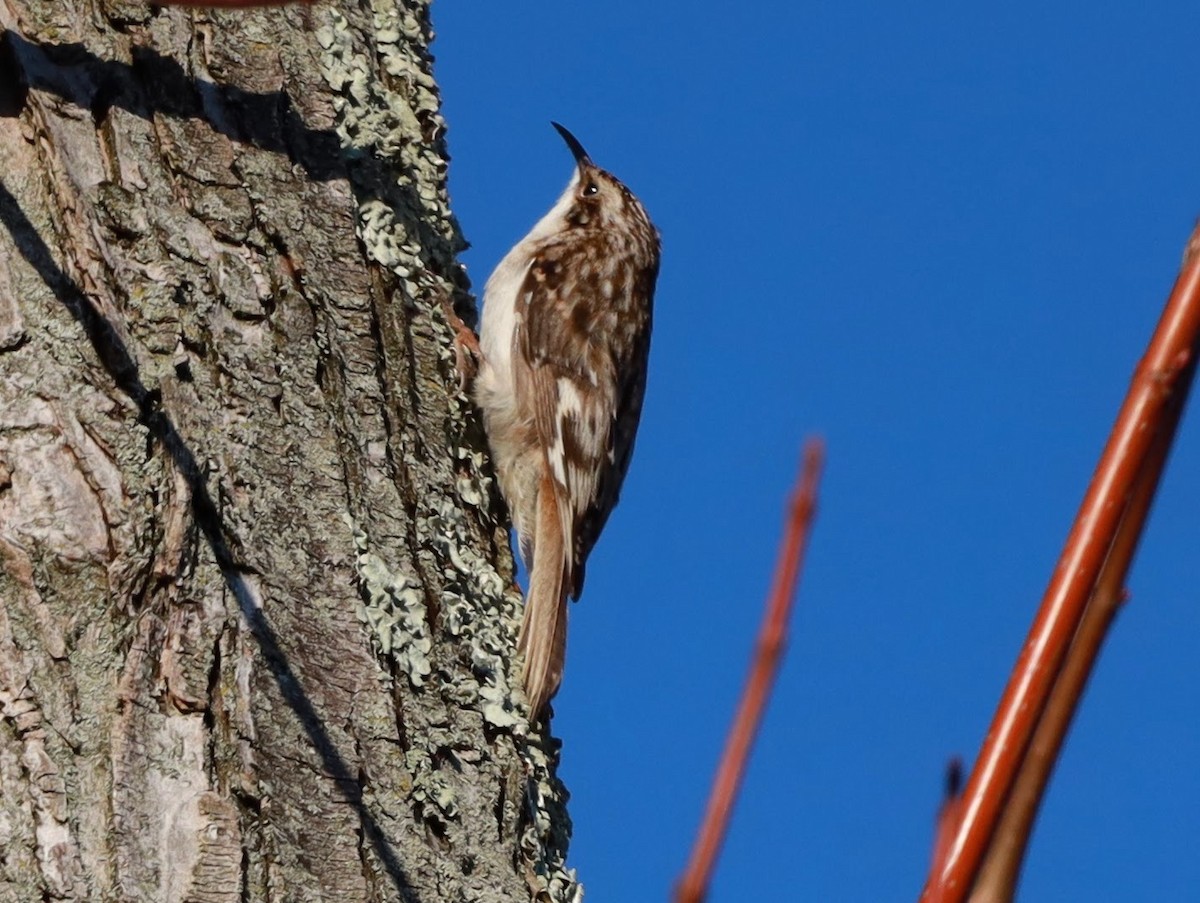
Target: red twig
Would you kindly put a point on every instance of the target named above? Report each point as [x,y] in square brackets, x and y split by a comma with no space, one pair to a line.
[771,641]
[1147,418]
[948,815]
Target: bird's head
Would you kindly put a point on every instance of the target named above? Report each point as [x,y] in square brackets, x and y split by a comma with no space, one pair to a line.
[598,199]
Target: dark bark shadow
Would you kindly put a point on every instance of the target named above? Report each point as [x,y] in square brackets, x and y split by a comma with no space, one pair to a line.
[153,84]
[123,369]
[156,84]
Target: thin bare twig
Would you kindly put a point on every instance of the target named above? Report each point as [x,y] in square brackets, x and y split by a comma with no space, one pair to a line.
[1147,418]
[693,885]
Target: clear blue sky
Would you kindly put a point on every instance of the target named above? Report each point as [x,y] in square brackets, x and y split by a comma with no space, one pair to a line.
[940,237]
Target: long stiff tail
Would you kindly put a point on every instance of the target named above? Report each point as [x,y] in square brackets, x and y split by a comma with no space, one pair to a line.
[543,639]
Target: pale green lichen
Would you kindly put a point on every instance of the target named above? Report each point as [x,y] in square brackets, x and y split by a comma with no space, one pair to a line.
[548,828]
[385,98]
[434,796]
[392,606]
[473,585]
[431,790]
[472,487]
[378,123]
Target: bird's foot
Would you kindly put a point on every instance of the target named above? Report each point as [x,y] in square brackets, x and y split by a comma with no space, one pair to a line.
[466,346]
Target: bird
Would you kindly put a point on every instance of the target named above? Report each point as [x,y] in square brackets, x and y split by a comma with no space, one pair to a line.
[564,347]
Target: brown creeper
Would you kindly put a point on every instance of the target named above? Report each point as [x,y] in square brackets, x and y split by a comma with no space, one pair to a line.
[565,341]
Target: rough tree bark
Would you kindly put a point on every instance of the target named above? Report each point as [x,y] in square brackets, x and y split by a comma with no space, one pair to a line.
[258,609]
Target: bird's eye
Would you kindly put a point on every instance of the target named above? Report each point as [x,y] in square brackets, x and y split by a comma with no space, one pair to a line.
[590,189]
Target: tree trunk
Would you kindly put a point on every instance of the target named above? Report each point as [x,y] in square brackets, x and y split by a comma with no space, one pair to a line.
[258,606]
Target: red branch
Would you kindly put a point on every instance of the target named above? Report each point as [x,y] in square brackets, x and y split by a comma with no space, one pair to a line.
[1136,446]
[1001,868]
[772,639]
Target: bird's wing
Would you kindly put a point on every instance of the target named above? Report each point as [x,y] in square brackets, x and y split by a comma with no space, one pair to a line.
[579,359]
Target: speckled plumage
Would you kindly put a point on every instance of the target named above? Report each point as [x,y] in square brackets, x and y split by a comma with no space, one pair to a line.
[564,341]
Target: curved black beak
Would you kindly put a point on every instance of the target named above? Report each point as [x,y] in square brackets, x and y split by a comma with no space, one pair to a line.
[581,156]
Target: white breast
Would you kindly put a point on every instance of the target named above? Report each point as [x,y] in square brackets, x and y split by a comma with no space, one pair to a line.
[500,296]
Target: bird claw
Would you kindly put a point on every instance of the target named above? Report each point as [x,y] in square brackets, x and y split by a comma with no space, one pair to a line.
[467,353]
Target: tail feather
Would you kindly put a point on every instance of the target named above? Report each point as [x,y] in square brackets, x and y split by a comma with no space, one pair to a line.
[543,638]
